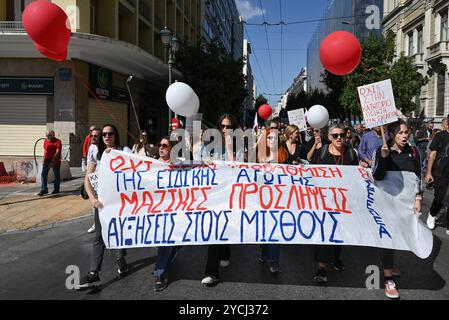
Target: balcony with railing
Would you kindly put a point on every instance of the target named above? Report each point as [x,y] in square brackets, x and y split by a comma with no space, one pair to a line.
[438,50]
[11,27]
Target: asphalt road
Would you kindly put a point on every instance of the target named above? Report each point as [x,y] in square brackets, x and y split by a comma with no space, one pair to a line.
[33,266]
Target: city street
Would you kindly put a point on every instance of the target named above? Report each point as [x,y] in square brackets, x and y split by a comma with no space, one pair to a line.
[33,265]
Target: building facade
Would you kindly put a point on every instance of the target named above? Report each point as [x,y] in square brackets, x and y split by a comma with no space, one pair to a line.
[222,22]
[361,17]
[250,100]
[111,40]
[421,32]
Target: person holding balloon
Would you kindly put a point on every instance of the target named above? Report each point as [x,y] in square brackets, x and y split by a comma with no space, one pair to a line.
[337,154]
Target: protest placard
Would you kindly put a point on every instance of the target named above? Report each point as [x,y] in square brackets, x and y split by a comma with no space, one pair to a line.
[378,105]
[150,204]
[297,117]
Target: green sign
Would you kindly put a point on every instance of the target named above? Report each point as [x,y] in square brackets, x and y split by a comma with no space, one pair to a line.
[101,83]
[27,86]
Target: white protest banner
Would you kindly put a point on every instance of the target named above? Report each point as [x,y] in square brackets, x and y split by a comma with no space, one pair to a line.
[378,105]
[151,204]
[298,118]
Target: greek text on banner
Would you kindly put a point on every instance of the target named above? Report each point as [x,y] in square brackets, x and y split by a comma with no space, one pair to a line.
[151,204]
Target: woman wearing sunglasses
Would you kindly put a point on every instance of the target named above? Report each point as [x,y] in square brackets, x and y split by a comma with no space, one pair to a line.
[220,255]
[109,140]
[397,155]
[165,255]
[141,145]
[335,153]
[271,150]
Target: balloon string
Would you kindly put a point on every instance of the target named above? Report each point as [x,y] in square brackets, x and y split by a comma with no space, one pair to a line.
[366,68]
[357,98]
[102,105]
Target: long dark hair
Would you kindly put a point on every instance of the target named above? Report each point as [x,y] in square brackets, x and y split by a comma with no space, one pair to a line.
[395,127]
[102,146]
[231,118]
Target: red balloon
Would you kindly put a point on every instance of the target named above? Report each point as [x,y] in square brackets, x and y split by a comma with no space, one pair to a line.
[340,53]
[47,25]
[265,111]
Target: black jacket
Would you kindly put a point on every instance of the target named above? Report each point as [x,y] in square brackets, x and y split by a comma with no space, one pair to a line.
[409,160]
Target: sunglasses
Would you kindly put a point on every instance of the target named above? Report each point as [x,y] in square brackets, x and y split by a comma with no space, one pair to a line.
[163,146]
[96,136]
[274,128]
[338,135]
[271,138]
[108,134]
[223,126]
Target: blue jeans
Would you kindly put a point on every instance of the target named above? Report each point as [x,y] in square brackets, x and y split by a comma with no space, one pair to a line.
[165,257]
[271,253]
[56,171]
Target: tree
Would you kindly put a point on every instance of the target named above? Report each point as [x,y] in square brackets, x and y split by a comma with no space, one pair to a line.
[216,77]
[260,101]
[377,65]
[407,84]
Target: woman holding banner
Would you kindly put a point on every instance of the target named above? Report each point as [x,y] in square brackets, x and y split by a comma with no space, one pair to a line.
[110,140]
[397,155]
[219,255]
[335,153]
[165,255]
[271,150]
[293,144]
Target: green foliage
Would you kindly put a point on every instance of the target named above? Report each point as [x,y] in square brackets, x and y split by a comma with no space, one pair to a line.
[216,77]
[376,65]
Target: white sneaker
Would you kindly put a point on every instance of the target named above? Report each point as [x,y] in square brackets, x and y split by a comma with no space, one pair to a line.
[447,232]
[224,263]
[210,281]
[91,230]
[431,222]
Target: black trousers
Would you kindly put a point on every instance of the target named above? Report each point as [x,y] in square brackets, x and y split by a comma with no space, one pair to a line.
[327,254]
[386,258]
[441,185]
[215,253]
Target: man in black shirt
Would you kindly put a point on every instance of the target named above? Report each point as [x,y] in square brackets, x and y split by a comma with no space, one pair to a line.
[423,138]
[438,172]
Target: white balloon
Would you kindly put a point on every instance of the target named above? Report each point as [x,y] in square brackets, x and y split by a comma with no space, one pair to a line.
[182,100]
[197,103]
[318,117]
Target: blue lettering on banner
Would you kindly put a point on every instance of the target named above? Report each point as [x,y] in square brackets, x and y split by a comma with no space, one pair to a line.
[370,206]
[289,225]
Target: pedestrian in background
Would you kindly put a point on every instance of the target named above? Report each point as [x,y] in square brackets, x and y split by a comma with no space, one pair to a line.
[52,160]
[92,154]
[438,173]
[86,145]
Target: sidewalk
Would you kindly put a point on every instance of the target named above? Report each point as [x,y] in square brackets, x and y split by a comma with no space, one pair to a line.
[22,209]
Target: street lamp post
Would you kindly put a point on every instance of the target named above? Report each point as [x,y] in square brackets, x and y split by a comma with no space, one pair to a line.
[349,23]
[171,45]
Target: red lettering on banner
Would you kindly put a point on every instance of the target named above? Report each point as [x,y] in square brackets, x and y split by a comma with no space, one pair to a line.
[146,195]
[203,191]
[277,206]
[231,198]
[162,193]
[193,199]
[133,201]
[182,200]
[246,193]
[294,192]
[323,199]
[344,201]
[173,197]
[120,159]
[270,193]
